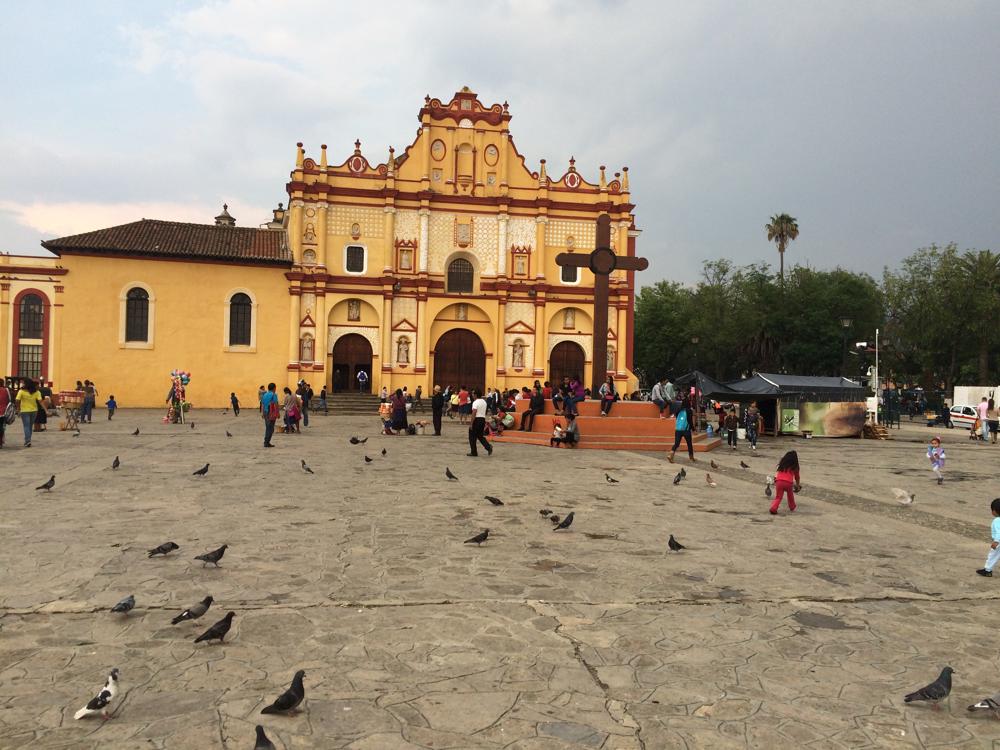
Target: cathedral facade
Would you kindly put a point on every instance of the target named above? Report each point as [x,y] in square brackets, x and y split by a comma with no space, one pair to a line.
[432,266]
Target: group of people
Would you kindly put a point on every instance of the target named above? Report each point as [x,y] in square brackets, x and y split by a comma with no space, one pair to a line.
[987,421]
[35,402]
[293,409]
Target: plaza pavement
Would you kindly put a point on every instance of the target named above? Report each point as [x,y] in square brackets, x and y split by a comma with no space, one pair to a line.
[795,631]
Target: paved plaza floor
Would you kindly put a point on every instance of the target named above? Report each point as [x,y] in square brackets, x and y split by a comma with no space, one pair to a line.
[800,630]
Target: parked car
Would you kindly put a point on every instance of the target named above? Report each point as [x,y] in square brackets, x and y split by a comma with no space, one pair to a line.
[963,416]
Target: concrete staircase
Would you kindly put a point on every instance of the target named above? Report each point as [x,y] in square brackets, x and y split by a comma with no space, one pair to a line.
[631,426]
[349,404]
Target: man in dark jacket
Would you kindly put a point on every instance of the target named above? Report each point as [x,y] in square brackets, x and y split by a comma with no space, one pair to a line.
[437,409]
[535,406]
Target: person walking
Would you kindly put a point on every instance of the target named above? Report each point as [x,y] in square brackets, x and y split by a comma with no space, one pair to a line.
[5,400]
[732,424]
[29,401]
[260,400]
[994,554]
[752,424]
[682,430]
[418,399]
[437,409]
[992,420]
[397,402]
[89,399]
[536,406]
[303,393]
[608,396]
[112,406]
[659,397]
[362,381]
[236,404]
[270,412]
[464,405]
[935,454]
[477,429]
[786,480]
[983,411]
[322,402]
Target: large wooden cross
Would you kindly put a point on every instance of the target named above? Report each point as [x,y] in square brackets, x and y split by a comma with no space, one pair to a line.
[602,261]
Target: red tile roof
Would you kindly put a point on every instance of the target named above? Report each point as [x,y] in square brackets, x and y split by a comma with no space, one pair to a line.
[174,239]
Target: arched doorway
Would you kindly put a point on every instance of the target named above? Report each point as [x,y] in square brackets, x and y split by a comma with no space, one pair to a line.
[460,359]
[351,353]
[566,360]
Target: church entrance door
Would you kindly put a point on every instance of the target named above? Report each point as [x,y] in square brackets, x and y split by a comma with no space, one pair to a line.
[351,354]
[566,360]
[459,359]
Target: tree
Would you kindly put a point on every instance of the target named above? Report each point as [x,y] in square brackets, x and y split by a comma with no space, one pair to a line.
[982,280]
[782,230]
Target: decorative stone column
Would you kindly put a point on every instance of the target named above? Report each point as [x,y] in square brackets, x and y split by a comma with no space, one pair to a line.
[425,221]
[502,253]
[294,297]
[388,264]
[540,222]
[321,238]
[541,338]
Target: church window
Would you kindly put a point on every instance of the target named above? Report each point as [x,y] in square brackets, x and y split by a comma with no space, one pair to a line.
[460,276]
[137,315]
[30,317]
[29,361]
[240,314]
[570,274]
[354,259]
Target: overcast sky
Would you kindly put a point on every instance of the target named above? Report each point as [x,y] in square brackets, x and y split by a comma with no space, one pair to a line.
[875,124]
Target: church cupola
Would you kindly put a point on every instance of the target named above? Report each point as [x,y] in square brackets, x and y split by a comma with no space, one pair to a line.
[224,219]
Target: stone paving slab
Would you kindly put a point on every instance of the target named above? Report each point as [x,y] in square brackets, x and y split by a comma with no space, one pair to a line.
[801,630]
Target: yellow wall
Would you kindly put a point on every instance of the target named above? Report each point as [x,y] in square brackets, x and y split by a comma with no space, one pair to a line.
[188,330]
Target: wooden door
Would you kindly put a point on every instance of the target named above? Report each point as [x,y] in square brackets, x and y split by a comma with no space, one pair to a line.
[351,354]
[460,359]
[567,360]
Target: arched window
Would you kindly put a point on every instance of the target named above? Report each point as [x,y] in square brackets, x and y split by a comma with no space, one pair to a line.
[137,315]
[31,316]
[460,275]
[240,312]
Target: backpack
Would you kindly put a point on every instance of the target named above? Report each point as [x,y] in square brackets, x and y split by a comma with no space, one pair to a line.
[682,421]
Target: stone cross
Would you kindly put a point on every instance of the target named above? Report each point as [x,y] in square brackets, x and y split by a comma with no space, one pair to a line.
[602,262]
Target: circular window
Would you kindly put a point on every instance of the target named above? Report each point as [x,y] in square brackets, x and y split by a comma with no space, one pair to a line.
[573,180]
[492,155]
[438,150]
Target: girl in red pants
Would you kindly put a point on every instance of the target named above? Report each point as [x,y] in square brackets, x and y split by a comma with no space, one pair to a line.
[786,479]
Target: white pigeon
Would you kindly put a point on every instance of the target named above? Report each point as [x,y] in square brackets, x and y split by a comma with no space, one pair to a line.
[100,702]
[902,496]
[988,704]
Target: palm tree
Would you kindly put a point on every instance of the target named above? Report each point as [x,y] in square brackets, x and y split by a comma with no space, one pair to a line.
[782,230]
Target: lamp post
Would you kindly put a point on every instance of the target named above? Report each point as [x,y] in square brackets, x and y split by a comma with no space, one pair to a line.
[694,342]
[845,324]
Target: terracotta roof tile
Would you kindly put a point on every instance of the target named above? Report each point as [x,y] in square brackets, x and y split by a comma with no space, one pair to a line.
[174,239]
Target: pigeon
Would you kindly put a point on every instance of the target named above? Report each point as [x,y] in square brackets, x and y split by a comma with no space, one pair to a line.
[384,452]
[202,471]
[213,557]
[218,631]
[48,485]
[225,411]
[988,704]
[228,433]
[494,500]
[76,434]
[610,479]
[678,478]
[262,743]
[291,698]
[193,613]
[674,545]
[305,468]
[479,538]
[368,460]
[903,497]
[192,425]
[744,465]
[940,688]
[163,549]
[136,431]
[683,473]
[545,512]
[554,518]
[115,464]
[100,702]
[447,473]
[566,522]
[709,481]
[713,464]
[767,488]
[125,605]
[357,441]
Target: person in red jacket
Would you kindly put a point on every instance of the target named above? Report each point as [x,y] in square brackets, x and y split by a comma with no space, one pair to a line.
[786,479]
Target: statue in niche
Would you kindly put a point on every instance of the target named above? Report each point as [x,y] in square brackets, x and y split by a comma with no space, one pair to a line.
[611,359]
[403,351]
[405,260]
[569,318]
[354,309]
[310,234]
[518,356]
[461,312]
[307,348]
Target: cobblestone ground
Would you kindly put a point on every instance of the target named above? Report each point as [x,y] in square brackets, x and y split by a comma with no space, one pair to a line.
[800,630]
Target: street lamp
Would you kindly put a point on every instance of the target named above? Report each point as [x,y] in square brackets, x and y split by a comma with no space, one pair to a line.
[694,342]
[845,324]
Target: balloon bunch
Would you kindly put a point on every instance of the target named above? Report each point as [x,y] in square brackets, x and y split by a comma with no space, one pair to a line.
[182,375]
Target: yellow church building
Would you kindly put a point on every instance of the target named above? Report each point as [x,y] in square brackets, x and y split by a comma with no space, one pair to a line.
[435,266]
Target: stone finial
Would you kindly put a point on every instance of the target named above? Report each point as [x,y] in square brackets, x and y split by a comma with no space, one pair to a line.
[542,176]
[357,147]
[300,155]
[572,163]
[391,164]
[604,180]
[224,219]
[322,157]
[625,179]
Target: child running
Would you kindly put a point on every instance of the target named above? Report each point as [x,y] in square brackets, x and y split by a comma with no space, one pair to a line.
[936,455]
[112,406]
[786,479]
[994,554]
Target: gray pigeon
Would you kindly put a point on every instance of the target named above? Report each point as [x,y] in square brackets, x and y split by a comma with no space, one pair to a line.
[988,704]
[193,613]
[291,698]
[212,557]
[228,433]
[262,743]
[678,478]
[48,485]
[610,479]
[202,471]
[447,473]
[565,523]
[305,468]
[218,631]
[936,691]
[674,545]
[164,549]
[115,464]
[479,538]
[125,605]
[494,500]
